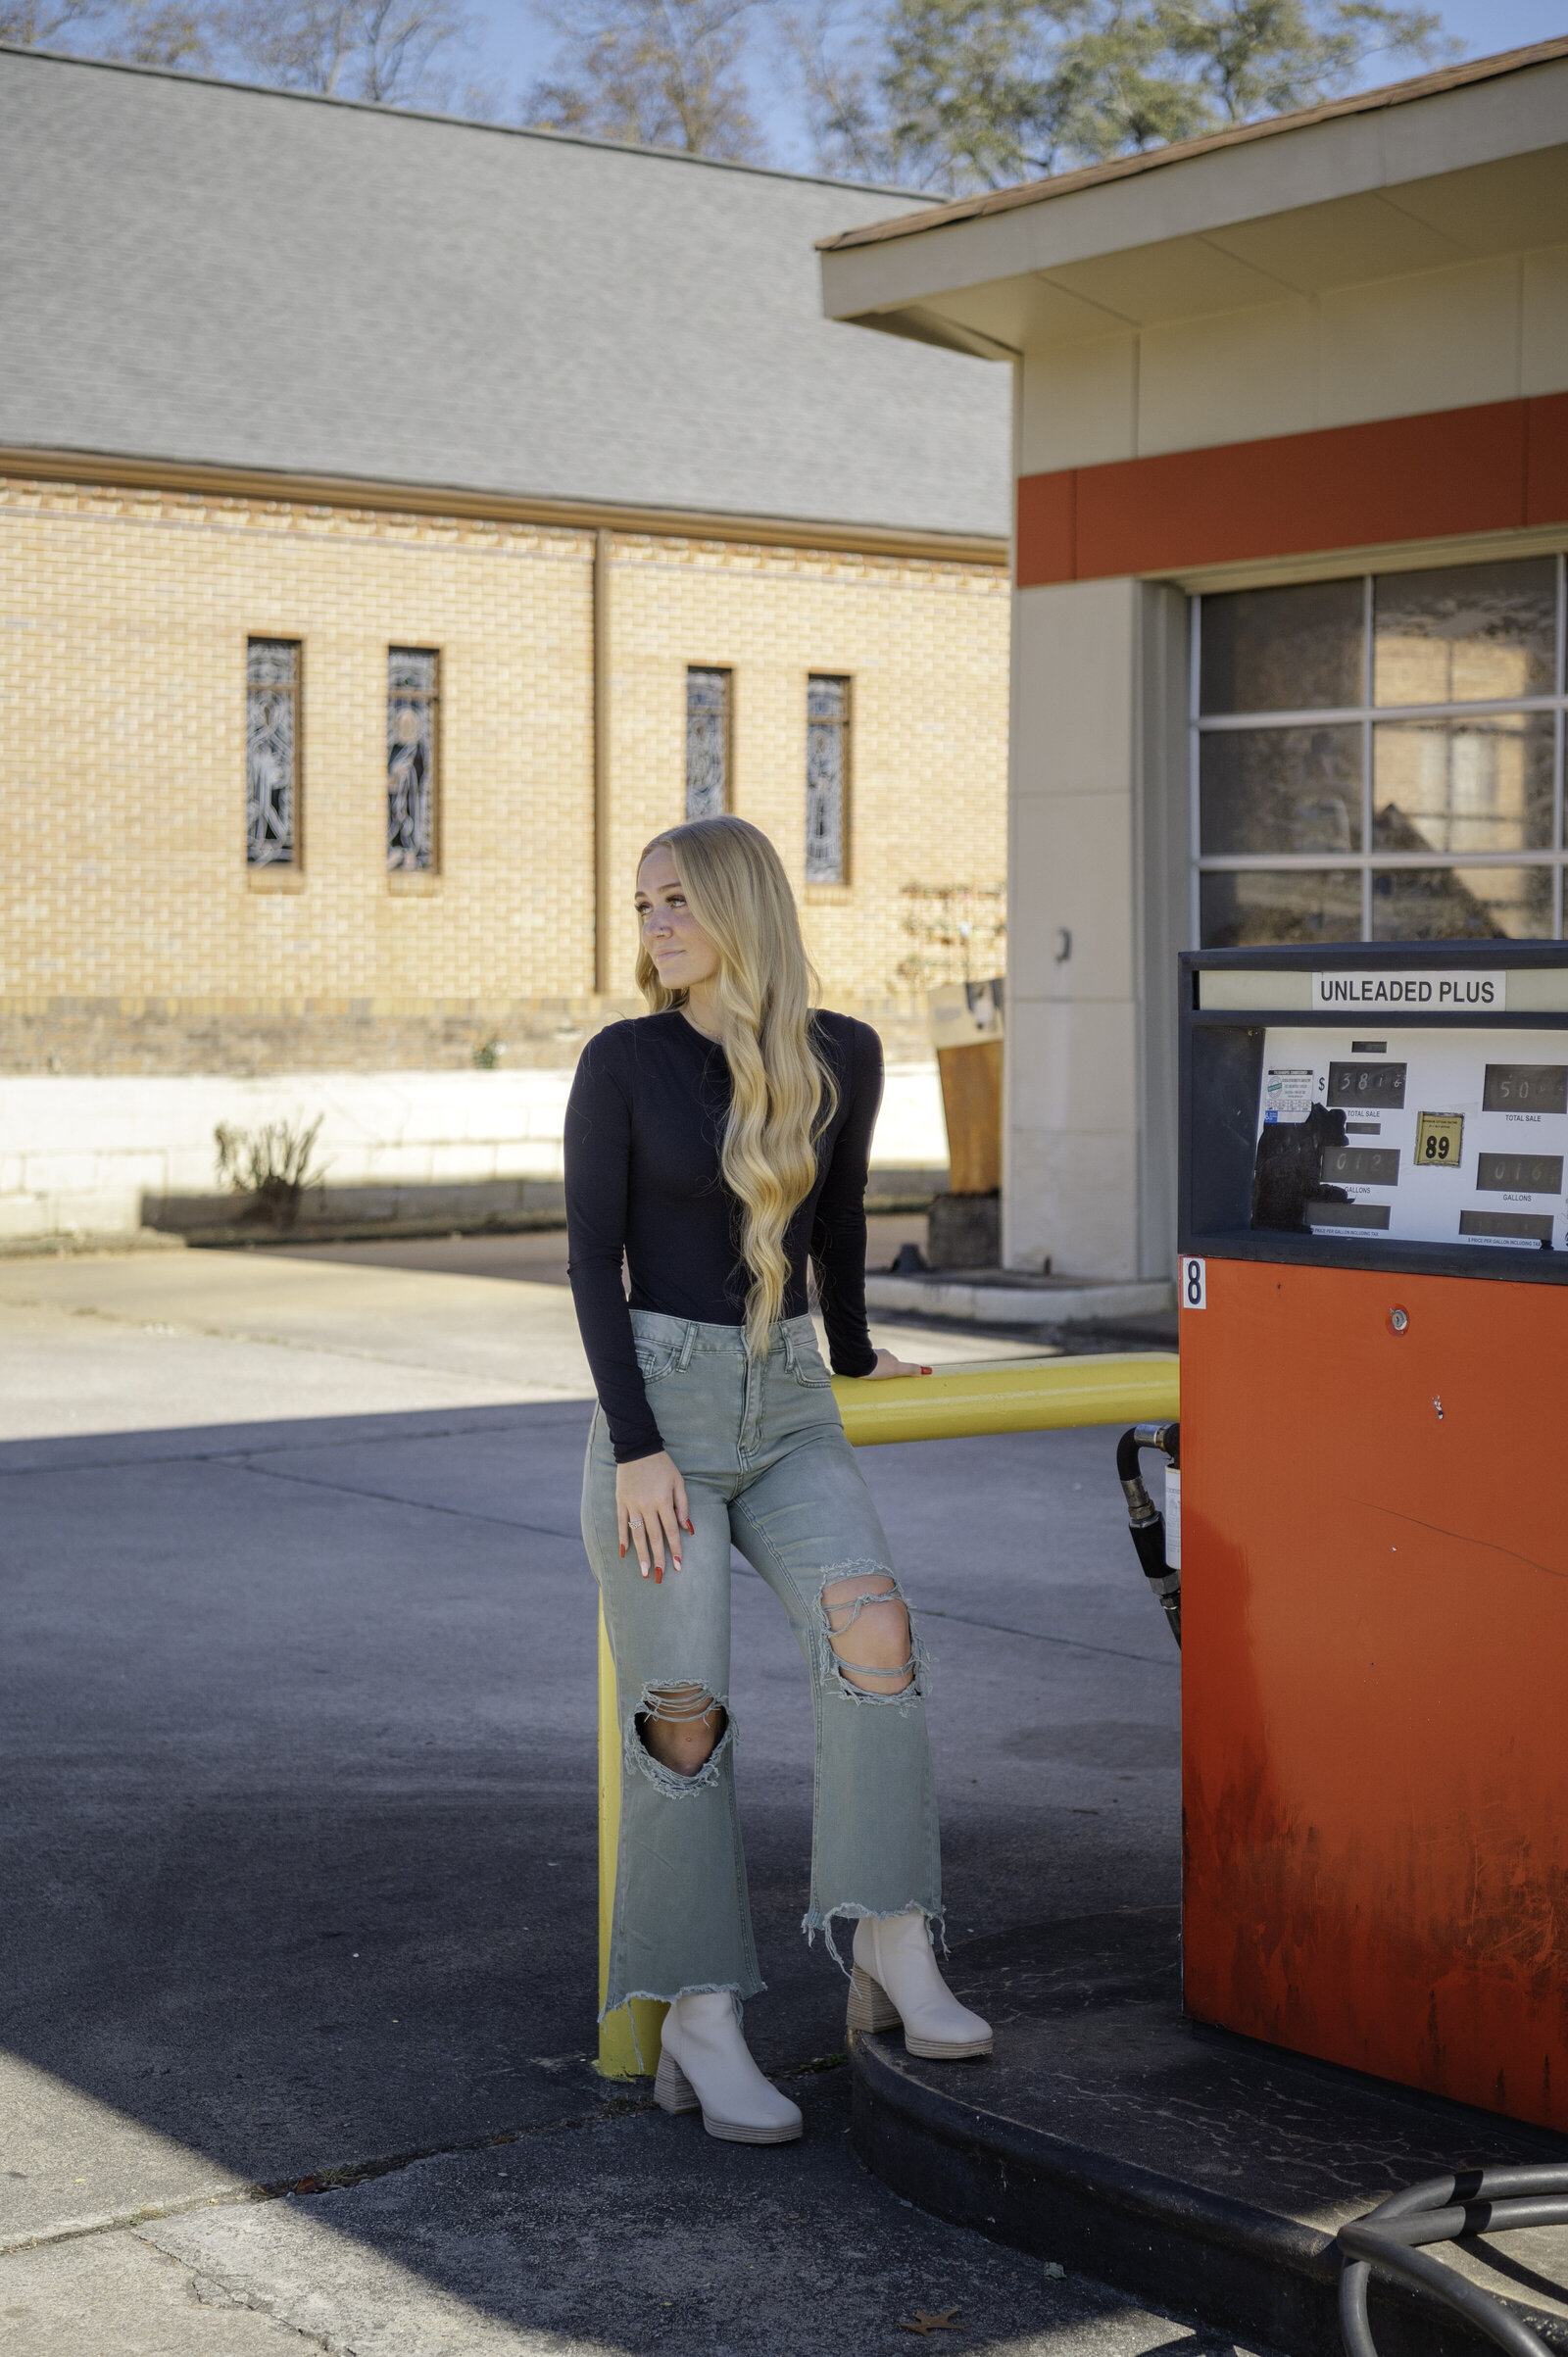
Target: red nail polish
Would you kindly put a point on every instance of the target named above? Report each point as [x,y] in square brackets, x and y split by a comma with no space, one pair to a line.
[659,1577]
[623,1554]
[691,1530]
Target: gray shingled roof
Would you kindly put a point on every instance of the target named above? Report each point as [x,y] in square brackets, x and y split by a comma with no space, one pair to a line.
[208,272]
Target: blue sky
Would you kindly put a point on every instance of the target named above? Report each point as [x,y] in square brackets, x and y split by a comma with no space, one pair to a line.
[517,49]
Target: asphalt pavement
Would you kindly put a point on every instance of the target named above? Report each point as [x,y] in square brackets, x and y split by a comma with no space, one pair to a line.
[298,1722]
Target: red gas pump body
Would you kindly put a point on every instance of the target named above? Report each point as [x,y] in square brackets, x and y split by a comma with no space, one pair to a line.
[1374,1445]
[1375,1674]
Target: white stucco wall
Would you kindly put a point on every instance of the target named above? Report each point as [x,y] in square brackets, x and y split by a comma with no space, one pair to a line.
[1495,329]
[1069,1175]
[79,1156]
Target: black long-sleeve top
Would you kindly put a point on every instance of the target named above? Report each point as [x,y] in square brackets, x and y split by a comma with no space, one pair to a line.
[644,1124]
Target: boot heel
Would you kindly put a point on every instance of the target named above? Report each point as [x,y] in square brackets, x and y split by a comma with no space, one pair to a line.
[672,2089]
[870,2007]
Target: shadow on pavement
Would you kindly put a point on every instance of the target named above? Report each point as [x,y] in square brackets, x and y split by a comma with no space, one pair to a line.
[297,1735]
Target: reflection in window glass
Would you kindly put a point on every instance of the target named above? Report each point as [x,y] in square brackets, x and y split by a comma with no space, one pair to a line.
[1466,634]
[1281,790]
[1463,785]
[413,682]
[271,752]
[1241,908]
[707,743]
[1407,812]
[827,767]
[1462,903]
[1282,650]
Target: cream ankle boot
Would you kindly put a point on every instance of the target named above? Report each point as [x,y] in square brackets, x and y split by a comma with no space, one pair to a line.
[896,1980]
[704,2066]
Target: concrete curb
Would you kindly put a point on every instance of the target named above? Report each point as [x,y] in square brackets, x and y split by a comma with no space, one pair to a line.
[1048,1300]
[1176,2245]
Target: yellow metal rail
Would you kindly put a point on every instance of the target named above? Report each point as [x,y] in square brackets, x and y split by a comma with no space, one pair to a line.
[1117,1387]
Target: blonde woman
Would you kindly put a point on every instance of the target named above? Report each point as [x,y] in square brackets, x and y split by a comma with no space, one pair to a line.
[716,1142]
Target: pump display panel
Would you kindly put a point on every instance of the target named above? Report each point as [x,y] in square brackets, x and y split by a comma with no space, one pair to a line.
[1451,1136]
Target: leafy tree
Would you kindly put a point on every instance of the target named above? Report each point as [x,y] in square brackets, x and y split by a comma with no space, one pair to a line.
[655,73]
[1264,57]
[970,94]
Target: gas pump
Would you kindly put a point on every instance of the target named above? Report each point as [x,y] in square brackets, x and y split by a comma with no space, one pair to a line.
[1374,1367]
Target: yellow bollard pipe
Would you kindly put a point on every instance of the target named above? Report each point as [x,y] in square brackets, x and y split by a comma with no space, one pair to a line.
[1114,1387]
[618,2035]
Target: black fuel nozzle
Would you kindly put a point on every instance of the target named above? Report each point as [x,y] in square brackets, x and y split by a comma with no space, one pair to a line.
[1144,1520]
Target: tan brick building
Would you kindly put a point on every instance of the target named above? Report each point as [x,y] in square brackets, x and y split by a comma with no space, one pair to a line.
[399,520]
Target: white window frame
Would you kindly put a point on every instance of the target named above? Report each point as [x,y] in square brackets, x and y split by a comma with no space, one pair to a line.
[1367,715]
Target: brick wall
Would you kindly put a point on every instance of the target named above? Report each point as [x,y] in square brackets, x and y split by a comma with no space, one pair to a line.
[149,986]
[132,937]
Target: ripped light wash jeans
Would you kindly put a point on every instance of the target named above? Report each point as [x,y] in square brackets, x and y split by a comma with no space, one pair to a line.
[769,1470]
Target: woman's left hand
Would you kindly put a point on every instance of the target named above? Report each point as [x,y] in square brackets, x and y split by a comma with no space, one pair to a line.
[887,1364]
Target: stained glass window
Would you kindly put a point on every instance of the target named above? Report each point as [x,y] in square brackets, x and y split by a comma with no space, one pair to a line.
[1380,759]
[412,693]
[707,743]
[827,770]
[272,753]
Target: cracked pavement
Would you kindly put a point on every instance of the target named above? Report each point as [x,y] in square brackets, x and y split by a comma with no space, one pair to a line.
[299,1731]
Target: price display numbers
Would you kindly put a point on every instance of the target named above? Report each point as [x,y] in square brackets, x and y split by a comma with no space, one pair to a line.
[1525,1089]
[1362,1166]
[1367,1086]
[1519,1174]
[1439,1141]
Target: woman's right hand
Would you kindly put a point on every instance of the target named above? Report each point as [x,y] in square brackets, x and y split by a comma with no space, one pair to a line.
[651,1511]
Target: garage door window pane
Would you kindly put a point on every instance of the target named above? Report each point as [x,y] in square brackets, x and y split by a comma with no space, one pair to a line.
[1243,908]
[1283,650]
[1466,634]
[1462,903]
[1280,790]
[1464,785]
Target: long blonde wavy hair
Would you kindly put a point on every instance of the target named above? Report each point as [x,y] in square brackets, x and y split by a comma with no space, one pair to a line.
[782,1091]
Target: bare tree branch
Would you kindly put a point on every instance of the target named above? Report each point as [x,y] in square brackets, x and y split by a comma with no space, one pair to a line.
[390,52]
[46,23]
[837,75]
[175,34]
[654,72]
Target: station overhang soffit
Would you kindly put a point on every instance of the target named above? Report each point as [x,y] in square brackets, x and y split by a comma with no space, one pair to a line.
[1448,169]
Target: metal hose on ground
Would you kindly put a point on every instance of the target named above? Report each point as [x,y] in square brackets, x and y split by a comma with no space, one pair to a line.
[1475,2201]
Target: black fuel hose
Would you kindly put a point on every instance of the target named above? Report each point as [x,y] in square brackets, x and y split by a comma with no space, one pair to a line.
[1475,2201]
[1144,1520]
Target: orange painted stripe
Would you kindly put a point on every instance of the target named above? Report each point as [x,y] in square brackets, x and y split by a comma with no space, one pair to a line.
[1496,467]
[1546,461]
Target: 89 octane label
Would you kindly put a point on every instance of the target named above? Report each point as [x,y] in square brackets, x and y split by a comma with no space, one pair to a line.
[1193,1281]
[1439,1141]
